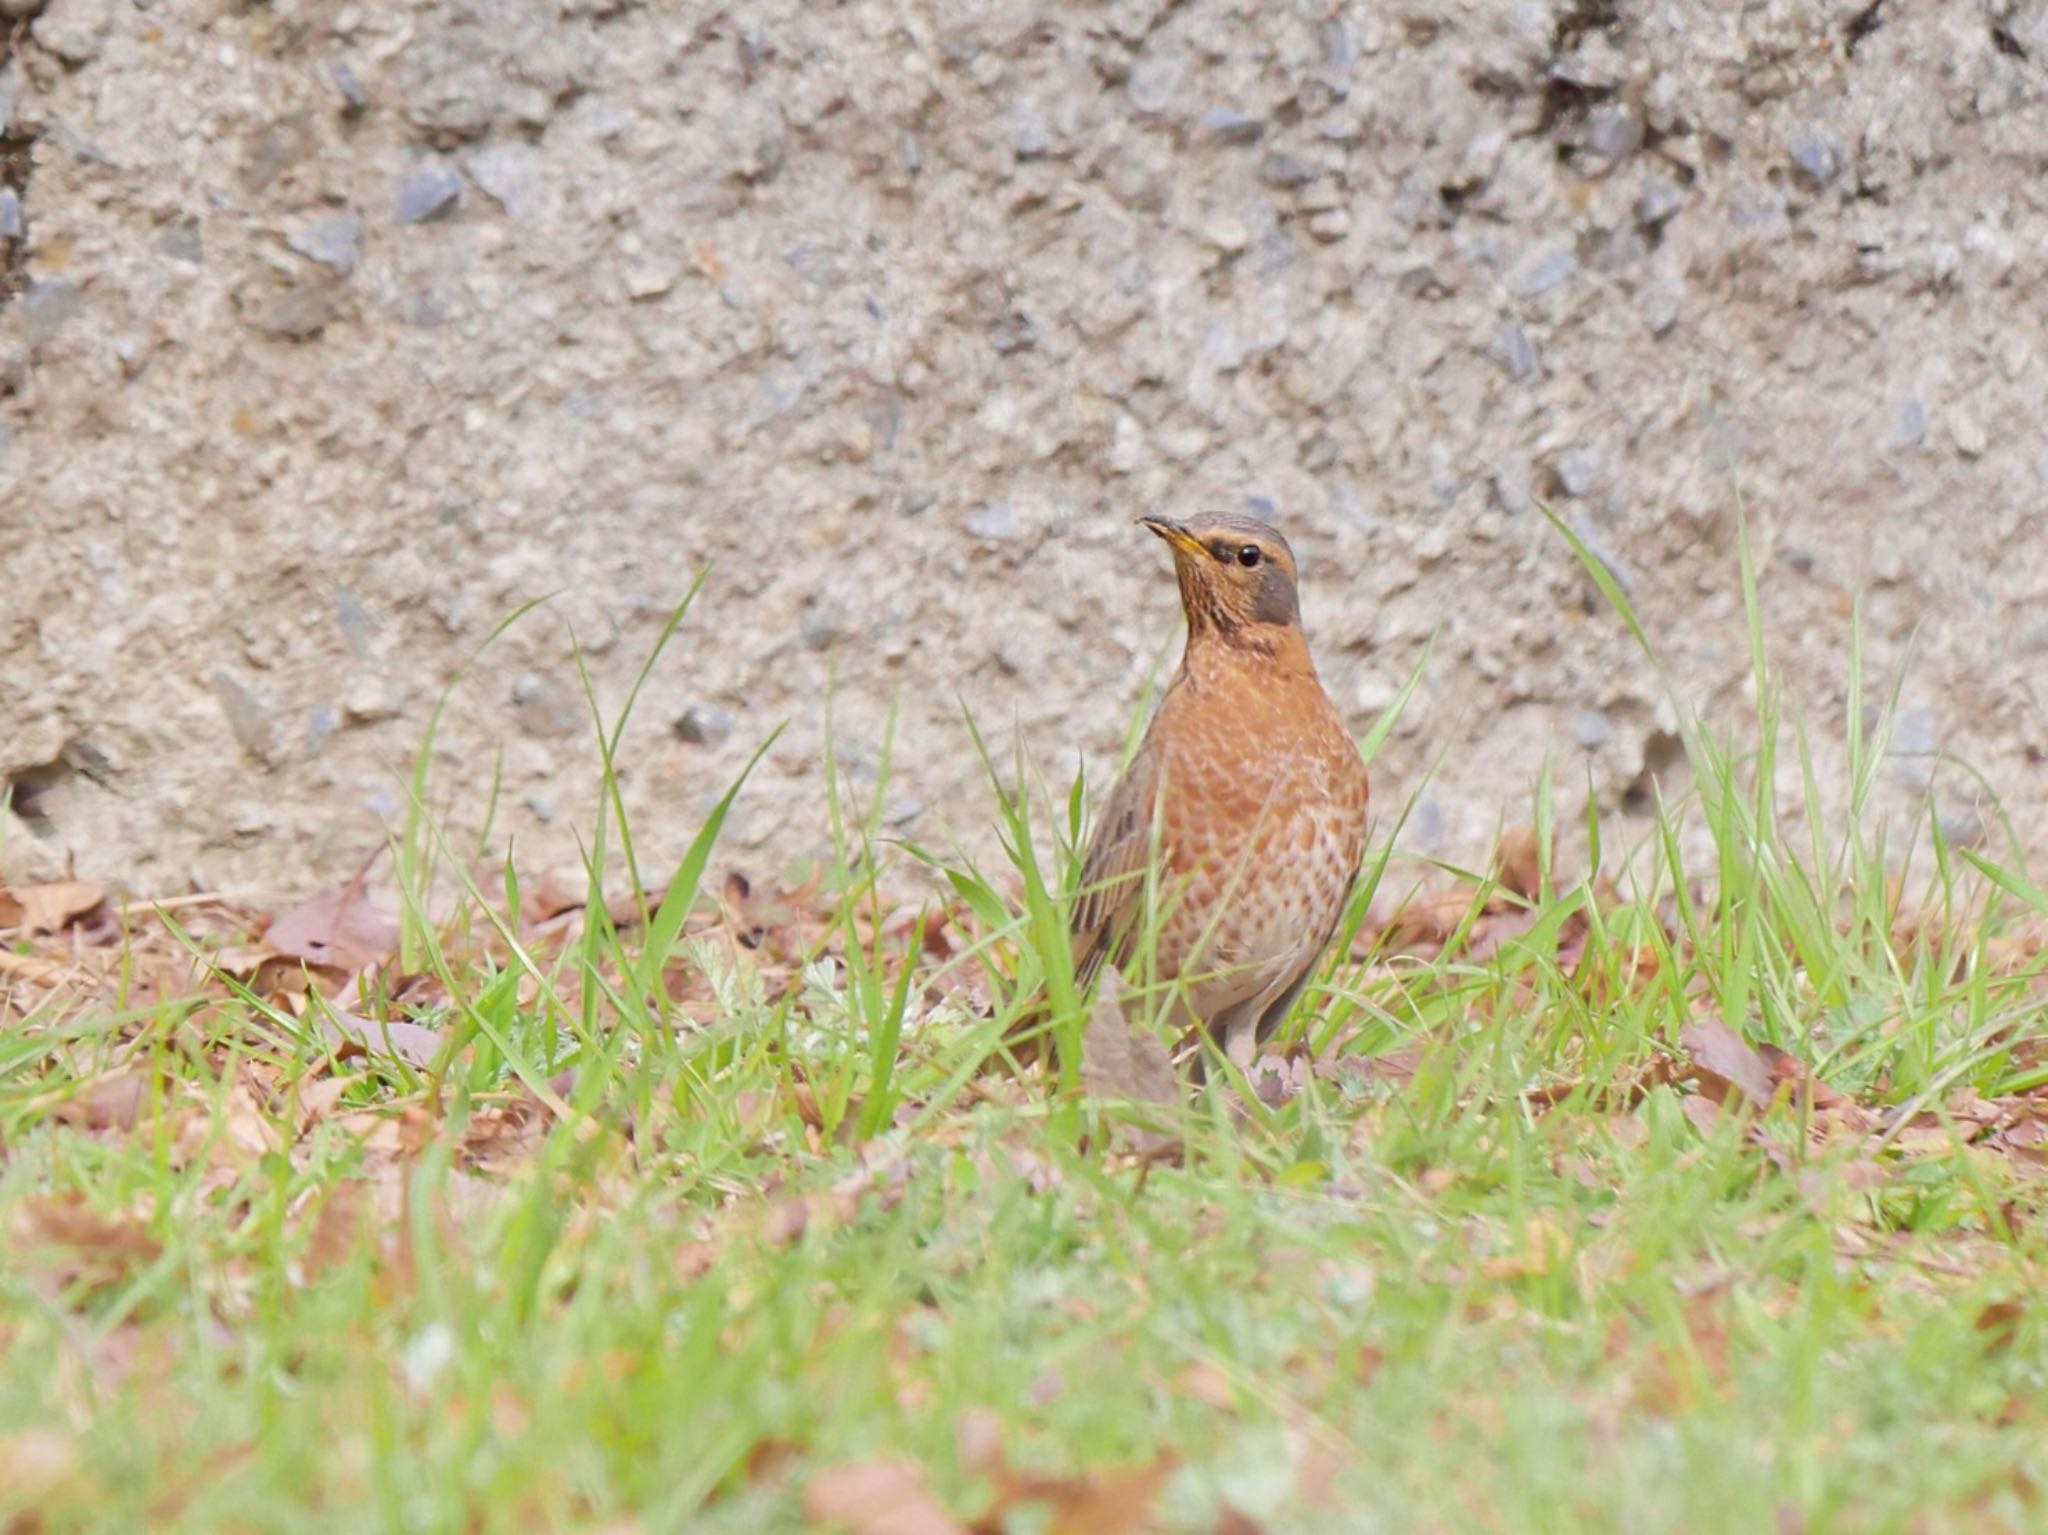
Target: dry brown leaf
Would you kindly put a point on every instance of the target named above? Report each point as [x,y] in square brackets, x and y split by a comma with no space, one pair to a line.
[785,1221]
[1723,1060]
[1114,1503]
[336,1229]
[2000,1322]
[1422,922]
[1118,1061]
[112,1102]
[87,1247]
[339,928]
[878,1497]
[352,1036]
[318,1099]
[1704,1113]
[1518,862]
[48,908]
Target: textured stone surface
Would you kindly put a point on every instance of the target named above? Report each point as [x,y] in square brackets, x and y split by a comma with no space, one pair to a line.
[899,316]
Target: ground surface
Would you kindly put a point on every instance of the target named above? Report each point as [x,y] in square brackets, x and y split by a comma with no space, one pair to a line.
[1705,1198]
[333,333]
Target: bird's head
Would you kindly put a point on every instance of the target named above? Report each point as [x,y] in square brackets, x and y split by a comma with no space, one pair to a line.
[1236,573]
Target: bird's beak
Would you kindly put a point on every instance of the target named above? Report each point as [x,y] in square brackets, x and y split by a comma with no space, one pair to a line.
[1175,533]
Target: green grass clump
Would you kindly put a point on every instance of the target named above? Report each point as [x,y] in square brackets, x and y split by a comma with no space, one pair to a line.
[662,1214]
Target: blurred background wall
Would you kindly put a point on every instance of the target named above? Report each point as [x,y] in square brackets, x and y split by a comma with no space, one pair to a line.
[330,333]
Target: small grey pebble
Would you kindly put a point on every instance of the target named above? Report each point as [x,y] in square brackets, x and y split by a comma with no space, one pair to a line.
[917,502]
[902,811]
[1510,486]
[1579,470]
[48,307]
[1014,332]
[302,311]
[181,243]
[1591,729]
[11,226]
[704,725]
[423,310]
[1597,547]
[72,38]
[1278,170]
[1658,201]
[1028,138]
[1913,731]
[541,808]
[544,709]
[1428,825]
[1613,133]
[1661,307]
[1910,428]
[820,630]
[1801,561]
[1331,225]
[1513,350]
[1542,269]
[330,241]
[429,192]
[1964,828]
[1226,125]
[354,99]
[995,522]
[247,715]
[1816,158]
[511,175]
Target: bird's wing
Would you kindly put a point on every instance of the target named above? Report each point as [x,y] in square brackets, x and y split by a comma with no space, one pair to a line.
[1113,869]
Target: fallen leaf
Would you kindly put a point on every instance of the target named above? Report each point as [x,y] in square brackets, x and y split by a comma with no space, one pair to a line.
[352,1036]
[48,908]
[336,1229]
[1518,862]
[1703,1112]
[90,1248]
[113,1102]
[2000,1324]
[879,1497]
[1115,1503]
[341,928]
[1724,1060]
[1118,1061]
[785,1222]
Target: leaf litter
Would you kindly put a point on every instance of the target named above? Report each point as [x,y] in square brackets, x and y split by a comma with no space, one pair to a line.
[326,963]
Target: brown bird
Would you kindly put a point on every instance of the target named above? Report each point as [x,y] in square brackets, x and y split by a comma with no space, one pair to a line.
[1257,793]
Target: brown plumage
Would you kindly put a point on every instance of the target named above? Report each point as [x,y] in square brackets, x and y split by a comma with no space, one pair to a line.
[1255,789]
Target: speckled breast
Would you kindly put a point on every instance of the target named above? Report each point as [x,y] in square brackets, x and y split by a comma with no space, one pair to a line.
[1264,826]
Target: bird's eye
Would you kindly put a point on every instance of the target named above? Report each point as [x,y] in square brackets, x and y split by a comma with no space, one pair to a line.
[1249,556]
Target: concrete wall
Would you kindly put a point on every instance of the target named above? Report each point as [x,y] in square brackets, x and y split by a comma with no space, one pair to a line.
[338,331]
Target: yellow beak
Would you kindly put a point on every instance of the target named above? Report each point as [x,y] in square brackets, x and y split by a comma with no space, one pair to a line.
[1175,533]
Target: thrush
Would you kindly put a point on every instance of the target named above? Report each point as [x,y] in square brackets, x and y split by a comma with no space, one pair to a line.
[1249,789]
